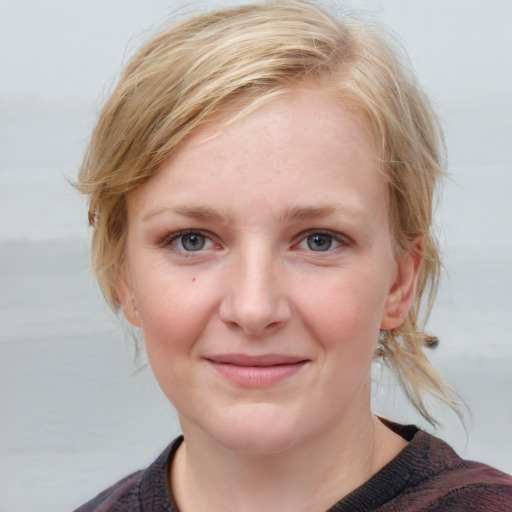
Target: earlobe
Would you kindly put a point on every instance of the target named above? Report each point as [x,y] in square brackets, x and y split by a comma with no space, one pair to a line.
[126,298]
[402,292]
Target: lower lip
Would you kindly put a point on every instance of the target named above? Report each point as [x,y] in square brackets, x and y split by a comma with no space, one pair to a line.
[257,376]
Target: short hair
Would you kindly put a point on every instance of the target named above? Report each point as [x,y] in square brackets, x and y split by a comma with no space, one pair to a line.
[236,59]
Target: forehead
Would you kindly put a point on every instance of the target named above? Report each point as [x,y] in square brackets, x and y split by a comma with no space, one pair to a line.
[310,113]
[301,149]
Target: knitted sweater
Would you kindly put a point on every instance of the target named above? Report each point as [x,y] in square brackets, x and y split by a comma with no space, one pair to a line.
[427,475]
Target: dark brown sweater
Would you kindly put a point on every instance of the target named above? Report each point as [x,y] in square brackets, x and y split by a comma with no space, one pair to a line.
[426,476]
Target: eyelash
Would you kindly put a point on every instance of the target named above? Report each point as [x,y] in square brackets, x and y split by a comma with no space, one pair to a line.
[341,240]
[172,237]
[302,238]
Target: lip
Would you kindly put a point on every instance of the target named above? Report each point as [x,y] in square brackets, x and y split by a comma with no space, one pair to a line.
[256,371]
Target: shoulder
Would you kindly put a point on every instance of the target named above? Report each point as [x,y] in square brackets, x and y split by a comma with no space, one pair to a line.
[427,476]
[142,491]
[445,482]
[121,496]
[471,487]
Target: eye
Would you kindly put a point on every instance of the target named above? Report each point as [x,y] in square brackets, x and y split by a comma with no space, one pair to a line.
[321,241]
[190,241]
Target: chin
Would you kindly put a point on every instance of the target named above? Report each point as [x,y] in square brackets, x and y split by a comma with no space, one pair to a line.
[257,443]
[257,430]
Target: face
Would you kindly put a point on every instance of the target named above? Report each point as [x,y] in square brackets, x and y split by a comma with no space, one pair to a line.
[260,267]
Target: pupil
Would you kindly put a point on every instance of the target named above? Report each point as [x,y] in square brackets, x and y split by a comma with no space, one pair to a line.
[193,242]
[319,242]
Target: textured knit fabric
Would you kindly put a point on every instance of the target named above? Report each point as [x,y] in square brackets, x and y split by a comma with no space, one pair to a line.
[427,475]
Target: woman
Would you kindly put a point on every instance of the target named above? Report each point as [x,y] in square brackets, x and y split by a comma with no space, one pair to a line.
[261,185]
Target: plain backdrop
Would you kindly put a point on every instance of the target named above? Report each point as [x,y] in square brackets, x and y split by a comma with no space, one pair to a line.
[74,415]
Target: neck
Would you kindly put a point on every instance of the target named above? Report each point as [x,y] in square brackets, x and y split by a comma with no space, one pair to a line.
[309,477]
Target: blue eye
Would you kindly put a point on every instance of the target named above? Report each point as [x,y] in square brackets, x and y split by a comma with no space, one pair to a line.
[320,241]
[190,241]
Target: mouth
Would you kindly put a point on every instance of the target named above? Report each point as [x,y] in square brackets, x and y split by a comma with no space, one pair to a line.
[256,371]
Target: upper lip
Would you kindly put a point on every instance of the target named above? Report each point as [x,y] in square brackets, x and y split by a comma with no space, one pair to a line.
[257,360]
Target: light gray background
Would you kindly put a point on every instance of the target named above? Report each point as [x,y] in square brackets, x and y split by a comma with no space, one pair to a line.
[73,417]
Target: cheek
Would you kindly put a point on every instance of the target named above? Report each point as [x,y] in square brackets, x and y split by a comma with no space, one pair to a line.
[173,310]
[173,314]
[344,322]
[344,315]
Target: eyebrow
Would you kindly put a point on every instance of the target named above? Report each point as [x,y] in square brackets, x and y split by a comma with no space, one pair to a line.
[298,213]
[317,212]
[191,212]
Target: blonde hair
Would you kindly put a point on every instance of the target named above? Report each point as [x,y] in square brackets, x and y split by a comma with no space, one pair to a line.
[236,59]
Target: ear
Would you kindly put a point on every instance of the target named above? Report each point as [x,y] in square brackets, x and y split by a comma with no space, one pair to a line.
[403,288]
[126,296]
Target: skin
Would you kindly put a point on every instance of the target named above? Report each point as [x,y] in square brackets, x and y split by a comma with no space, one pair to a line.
[294,259]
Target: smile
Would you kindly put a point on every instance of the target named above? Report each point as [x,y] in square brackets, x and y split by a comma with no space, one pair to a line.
[256,371]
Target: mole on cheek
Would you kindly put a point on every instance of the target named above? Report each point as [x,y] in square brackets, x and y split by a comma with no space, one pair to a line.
[193,279]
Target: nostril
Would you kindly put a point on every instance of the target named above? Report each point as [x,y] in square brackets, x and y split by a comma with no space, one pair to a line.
[253,323]
[232,325]
[272,326]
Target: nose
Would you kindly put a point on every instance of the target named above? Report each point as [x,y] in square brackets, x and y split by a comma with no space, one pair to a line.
[254,301]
